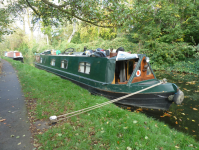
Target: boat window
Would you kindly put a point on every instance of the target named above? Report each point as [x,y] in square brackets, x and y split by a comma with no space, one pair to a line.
[38,59]
[87,69]
[52,63]
[84,67]
[130,67]
[64,64]
[148,71]
[41,60]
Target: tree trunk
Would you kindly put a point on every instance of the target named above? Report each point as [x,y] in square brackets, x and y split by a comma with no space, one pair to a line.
[73,33]
[24,24]
[47,39]
[29,24]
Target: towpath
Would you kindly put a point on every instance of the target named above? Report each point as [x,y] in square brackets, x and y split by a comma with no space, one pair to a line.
[14,123]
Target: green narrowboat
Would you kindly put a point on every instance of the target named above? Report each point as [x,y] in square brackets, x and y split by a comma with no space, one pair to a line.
[113,76]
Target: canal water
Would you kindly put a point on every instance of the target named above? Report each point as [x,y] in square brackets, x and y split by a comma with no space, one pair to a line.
[185,117]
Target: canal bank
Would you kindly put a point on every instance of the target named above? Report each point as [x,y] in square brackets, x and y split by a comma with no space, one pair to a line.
[108,127]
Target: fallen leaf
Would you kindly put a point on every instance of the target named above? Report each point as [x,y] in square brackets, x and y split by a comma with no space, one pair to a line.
[12,135]
[166,114]
[190,145]
[176,122]
[139,109]
[192,82]
[135,121]
[17,137]
[128,148]
[177,146]
[195,109]
[193,120]
[2,120]
[118,142]
[19,143]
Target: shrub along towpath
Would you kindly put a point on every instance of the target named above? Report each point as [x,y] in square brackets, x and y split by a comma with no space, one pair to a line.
[109,127]
[14,122]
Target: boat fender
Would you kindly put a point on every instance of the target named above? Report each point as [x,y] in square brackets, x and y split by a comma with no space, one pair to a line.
[178,97]
[138,73]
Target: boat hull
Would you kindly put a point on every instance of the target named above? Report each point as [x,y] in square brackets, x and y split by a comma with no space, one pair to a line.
[145,100]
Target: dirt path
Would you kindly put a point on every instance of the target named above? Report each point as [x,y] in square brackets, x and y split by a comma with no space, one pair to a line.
[14,122]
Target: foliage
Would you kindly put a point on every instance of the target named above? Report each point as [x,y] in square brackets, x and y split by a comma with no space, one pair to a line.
[98,13]
[166,21]
[190,65]
[4,23]
[100,43]
[164,53]
[87,33]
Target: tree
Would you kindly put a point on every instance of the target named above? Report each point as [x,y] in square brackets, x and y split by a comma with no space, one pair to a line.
[166,20]
[4,23]
[100,13]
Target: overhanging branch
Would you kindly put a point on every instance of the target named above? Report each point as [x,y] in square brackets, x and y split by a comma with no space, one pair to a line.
[72,14]
[33,8]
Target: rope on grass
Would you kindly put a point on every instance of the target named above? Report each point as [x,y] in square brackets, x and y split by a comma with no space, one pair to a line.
[68,115]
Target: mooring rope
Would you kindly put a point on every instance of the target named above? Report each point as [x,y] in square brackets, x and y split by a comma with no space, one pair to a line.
[103,104]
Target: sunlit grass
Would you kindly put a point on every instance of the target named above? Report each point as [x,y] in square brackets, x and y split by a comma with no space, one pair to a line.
[109,127]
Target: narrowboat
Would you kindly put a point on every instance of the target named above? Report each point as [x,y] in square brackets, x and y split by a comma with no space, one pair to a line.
[113,75]
[15,55]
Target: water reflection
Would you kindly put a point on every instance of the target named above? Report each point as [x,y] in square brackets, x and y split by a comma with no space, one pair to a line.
[181,117]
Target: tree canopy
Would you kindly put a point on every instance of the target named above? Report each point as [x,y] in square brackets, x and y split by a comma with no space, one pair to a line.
[4,23]
[99,13]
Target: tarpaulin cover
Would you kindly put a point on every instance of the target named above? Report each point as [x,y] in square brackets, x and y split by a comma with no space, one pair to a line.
[125,56]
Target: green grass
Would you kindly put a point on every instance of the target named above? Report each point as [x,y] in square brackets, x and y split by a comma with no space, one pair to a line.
[109,127]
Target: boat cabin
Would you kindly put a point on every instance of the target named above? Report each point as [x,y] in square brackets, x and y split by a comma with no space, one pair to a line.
[121,68]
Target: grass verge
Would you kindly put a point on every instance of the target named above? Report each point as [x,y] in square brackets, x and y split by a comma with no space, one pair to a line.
[0,66]
[108,127]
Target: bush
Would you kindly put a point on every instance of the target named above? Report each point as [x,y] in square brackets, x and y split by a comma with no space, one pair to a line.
[164,53]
